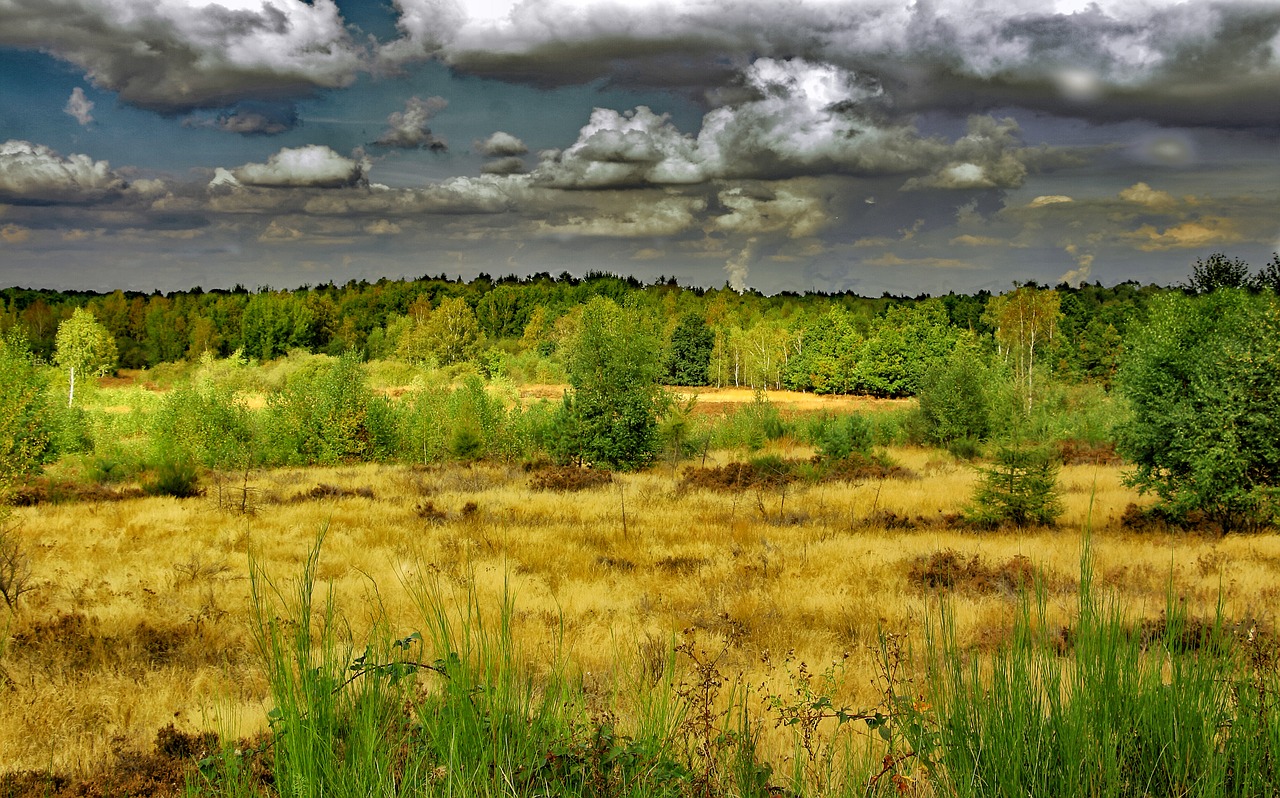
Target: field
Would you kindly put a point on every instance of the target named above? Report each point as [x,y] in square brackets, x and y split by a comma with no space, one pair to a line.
[142,613]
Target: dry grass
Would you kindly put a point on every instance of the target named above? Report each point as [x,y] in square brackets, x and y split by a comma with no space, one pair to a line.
[140,617]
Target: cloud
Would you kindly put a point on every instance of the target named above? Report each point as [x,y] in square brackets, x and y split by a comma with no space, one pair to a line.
[312,166]
[79,107]
[667,216]
[782,212]
[968,240]
[1084,266]
[14,234]
[408,129]
[504,166]
[251,119]
[382,227]
[795,118]
[460,195]
[1177,63]
[34,173]
[1049,199]
[500,145]
[1143,194]
[174,56]
[1193,234]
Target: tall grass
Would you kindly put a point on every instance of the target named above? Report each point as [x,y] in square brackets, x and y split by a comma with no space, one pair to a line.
[1098,707]
[1181,708]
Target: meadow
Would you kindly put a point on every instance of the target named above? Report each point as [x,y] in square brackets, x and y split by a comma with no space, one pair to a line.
[661,633]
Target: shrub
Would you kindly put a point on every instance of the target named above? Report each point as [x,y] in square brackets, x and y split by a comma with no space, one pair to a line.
[955,401]
[1019,488]
[327,414]
[836,438]
[1203,381]
[175,476]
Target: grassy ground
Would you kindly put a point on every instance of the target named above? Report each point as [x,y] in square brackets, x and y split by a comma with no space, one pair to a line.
[141,616]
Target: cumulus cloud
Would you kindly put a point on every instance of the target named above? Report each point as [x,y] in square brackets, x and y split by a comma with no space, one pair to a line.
[795,118]
[1143,194]
[500,145]
[1174,62]
[459,195]
[667,216]
[34,173]
[312,166]
[174,56]
[14,234]
[408,129]
[783,212]
[504,166]
[1192,234]
[79,107]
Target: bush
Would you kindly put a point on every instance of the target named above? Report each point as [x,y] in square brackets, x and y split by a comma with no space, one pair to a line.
[327,414]
[750,426]
[1203,380]
[836,438]
[955,401]
[1020,488]
[175,477]
[204,423]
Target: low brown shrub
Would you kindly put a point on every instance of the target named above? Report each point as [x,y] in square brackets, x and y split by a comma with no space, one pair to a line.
[951,570]
[323,491]
[570,479]
[1074,451]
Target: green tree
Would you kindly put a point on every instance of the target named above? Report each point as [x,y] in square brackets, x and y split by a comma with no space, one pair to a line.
[83,346]
[449,334]
[1025,321]
[1020,488]
[688,359]
[1218,271]
[24,438]
[1203,381]
[611,416]
[956,394]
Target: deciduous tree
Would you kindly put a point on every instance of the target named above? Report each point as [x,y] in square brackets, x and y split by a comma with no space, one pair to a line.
[83,346]
[1203,380]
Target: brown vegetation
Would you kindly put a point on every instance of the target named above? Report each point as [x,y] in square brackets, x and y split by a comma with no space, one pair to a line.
[139,614]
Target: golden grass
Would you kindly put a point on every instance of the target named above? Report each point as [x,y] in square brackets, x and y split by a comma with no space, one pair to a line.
[142,614]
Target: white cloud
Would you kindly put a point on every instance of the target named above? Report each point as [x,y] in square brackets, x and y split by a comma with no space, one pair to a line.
[1171,60]
[798,118]
[35,173]
[408,129]
[312,166]
[500,145]
[79,107]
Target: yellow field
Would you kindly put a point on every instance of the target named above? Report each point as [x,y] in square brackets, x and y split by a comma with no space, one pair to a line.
[141,614]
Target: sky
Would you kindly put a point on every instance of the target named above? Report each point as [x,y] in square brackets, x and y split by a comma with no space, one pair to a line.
[905,146]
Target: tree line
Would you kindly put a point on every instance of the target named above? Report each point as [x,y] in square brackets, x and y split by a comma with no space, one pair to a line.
[826,343]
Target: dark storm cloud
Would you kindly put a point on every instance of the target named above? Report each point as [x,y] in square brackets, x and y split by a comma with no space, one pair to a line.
[173,56]
[1194,63]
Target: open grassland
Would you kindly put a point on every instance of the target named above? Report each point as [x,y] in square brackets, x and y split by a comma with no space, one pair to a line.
[141,615]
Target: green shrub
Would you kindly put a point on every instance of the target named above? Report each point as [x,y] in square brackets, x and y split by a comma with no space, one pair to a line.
[838,437]
[327,414]
[954,395]
[175,476]
[1020,488]
[750,426]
